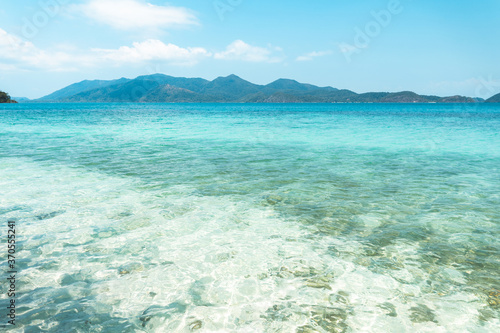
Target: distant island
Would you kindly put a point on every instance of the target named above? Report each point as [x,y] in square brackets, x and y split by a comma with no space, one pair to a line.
[5,98]
[160,88]
[494,99]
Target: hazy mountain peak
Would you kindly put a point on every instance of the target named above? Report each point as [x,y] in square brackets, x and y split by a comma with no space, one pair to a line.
[494,99]
[231,77]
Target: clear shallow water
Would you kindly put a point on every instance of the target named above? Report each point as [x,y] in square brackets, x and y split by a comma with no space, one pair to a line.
[253,218]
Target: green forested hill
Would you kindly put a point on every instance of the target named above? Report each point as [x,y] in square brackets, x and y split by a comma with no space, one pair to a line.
[161,88]
[5,98]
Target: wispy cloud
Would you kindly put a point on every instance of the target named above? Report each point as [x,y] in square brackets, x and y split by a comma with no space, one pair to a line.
[310,56]
[136,14]
[18,54]
[239,50]
[153,49]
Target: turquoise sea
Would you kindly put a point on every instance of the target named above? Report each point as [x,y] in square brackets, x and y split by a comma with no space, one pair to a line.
[252,218]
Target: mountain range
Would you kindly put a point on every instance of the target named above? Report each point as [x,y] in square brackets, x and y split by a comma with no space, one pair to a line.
[162,88]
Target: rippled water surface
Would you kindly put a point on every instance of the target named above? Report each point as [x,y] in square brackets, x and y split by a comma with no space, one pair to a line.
[253,218]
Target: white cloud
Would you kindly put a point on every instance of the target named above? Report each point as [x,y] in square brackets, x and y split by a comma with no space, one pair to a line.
[15,53]
[153,49]
[239,50]
[310,56]
[11,46]
[135,14]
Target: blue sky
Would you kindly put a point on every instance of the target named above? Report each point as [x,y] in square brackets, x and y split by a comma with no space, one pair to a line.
[428,46]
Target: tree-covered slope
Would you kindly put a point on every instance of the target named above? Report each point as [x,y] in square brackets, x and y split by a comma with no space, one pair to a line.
[5,98]
[162,88]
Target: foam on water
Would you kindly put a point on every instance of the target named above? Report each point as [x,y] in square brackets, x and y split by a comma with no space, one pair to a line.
[250,219]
